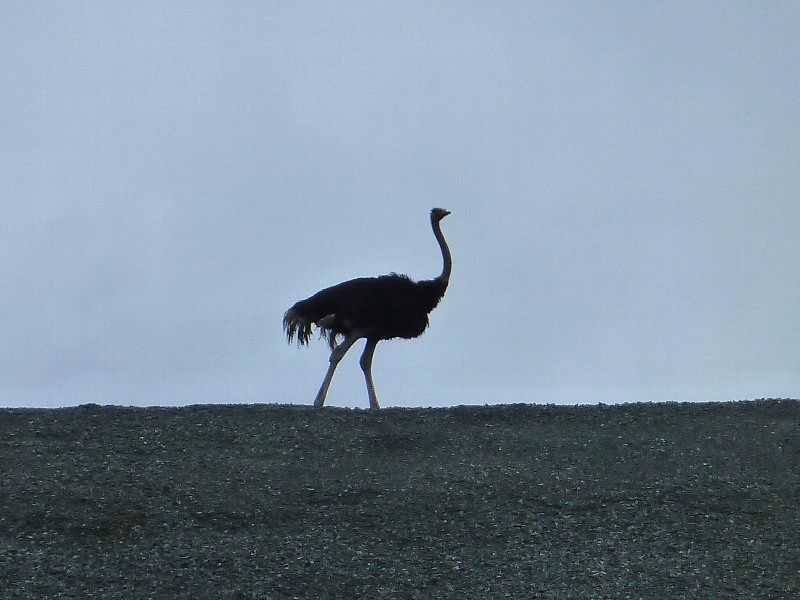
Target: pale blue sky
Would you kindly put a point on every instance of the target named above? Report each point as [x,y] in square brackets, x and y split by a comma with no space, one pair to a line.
[624,179]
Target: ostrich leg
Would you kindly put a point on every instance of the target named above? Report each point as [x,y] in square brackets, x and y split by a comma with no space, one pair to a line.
[336,355]
[366,366]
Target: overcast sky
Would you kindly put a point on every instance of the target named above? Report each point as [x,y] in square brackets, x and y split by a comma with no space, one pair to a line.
[624,181]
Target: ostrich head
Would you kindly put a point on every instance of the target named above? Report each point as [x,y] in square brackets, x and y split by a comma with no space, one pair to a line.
[437,214]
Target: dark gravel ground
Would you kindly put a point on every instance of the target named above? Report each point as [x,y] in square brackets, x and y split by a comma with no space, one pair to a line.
[633,501]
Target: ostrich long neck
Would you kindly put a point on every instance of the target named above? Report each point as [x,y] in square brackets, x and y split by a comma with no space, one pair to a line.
[447,261]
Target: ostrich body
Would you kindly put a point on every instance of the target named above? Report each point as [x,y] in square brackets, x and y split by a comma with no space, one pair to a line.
[375,308]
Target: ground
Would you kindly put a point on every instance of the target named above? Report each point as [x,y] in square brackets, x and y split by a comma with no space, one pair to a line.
[506,501]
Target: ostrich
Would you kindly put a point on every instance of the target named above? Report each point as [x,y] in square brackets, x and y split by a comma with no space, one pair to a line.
[375,308]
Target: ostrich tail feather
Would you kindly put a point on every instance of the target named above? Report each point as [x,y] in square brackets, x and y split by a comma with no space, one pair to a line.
[296,325]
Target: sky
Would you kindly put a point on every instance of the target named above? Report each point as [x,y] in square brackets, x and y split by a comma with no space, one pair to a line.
[623,177]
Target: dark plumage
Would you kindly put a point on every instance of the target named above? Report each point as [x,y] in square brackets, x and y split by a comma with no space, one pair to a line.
[375,308]
[382,307]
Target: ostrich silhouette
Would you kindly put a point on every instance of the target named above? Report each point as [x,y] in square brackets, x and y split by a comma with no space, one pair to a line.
[375,308]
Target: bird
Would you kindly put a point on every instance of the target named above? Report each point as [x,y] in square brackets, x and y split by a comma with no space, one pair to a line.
[374,308]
